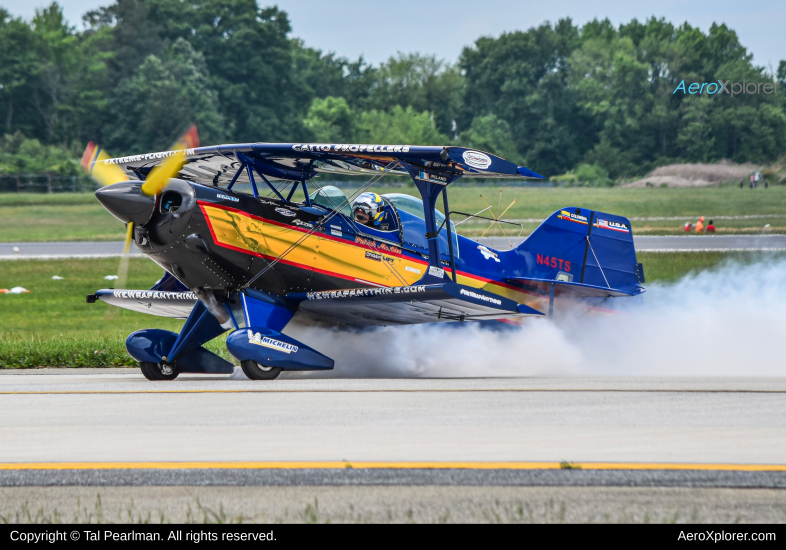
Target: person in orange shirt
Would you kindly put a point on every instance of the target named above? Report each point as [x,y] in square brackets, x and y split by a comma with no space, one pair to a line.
[710,227]
[700,225]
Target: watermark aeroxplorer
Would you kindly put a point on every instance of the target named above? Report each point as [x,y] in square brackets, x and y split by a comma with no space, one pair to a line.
[721,87]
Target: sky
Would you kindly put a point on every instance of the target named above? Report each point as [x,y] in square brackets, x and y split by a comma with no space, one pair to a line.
[377,30]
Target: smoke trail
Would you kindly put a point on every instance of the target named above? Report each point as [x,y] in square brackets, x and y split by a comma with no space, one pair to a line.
[729,321]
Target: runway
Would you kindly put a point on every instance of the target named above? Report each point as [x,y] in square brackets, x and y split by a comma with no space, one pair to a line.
[719,243]
[88,443]
[66,418]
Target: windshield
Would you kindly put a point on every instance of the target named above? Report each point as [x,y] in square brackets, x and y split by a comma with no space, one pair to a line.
[413,205]
[333,198]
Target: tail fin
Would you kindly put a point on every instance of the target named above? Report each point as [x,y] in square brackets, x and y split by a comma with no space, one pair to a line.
[584,246]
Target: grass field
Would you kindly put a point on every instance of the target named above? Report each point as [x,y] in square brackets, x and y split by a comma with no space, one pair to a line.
[54,326]
[75,217]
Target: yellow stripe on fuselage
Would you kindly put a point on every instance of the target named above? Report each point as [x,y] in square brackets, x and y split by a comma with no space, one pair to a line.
[344,259]
[341,258]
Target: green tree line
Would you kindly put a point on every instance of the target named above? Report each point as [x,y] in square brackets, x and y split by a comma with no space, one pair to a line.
[592,99]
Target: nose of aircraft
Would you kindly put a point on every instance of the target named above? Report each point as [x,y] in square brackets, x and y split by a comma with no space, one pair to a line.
[126,202]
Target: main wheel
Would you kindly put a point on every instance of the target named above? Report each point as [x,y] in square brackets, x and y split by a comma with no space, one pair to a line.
[255,371]
[152,371]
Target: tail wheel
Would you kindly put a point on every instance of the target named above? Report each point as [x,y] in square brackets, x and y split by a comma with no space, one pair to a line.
[153,371]
[255,371]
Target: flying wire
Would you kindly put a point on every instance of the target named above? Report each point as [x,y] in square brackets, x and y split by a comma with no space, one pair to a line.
[375,178]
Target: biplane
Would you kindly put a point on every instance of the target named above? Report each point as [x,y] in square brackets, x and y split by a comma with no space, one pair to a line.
[249,241]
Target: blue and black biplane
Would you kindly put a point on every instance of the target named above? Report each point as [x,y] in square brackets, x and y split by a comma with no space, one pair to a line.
[250,242]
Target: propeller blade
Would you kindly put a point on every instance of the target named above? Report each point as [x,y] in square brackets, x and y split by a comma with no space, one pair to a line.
[105,174]
[122,272]
[168,169]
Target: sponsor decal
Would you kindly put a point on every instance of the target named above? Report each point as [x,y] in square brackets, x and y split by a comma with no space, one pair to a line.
[285,212]
[613,226]
[336,227]
[147,156]
[436,271]
[552,262]
[426,176]
[476,159]
[278,345]
[345,148]
[412,270]
[153,295]
[481,297]
[364,292]
[379,246]
[488,254]
[569,216]
[301,223]
[336,232]
[227,198]
[373,256]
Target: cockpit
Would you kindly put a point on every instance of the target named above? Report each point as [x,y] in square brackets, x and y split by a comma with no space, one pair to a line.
[399,217]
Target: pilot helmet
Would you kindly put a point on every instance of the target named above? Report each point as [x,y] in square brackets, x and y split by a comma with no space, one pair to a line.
[371,204]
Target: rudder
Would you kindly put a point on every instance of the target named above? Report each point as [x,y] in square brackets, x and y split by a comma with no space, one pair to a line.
[584,246]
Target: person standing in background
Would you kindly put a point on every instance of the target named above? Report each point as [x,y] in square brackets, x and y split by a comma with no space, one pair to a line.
[742,182]
[710,227]
[687,227]
[700,225]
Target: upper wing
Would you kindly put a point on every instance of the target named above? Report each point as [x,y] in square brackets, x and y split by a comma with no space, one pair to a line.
[410,304]
[219,164]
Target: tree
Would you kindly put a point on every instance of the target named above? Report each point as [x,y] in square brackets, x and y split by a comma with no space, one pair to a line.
[331,120]
[250,60]
[489,133]
[419,81]
[162,98]
[19,64]
[399,126]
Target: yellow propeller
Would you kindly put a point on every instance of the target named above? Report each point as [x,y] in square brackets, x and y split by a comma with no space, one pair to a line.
[93,162]
[168,169]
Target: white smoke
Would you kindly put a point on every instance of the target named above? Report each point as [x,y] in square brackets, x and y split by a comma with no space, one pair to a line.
[729,321]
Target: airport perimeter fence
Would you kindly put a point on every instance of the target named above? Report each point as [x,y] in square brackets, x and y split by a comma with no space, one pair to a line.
[45,183]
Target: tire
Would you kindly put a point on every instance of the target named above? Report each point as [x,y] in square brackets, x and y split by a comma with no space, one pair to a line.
[255,371]
[153,372]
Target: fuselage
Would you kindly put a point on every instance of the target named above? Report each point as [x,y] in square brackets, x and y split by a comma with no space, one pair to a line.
[218,240]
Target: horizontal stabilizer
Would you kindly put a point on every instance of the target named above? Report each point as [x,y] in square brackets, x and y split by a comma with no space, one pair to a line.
[410,304]
[566,289]
[154,302]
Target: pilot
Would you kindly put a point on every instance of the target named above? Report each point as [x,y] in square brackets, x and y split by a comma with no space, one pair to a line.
[369,209]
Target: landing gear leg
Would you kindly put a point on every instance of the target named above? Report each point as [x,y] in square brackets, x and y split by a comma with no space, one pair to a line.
[160,371]
[255,371]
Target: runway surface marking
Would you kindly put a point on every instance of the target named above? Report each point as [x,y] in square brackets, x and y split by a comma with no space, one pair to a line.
[456,390]
[388,465]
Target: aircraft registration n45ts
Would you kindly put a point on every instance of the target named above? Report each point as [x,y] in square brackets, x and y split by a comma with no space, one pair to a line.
[249,241]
